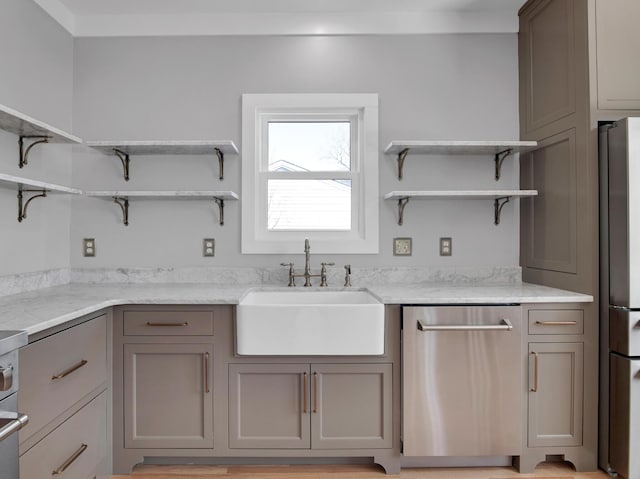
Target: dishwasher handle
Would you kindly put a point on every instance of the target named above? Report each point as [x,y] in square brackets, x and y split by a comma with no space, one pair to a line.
[505,325]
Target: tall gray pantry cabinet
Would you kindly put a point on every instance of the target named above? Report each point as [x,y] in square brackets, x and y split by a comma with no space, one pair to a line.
[578,66]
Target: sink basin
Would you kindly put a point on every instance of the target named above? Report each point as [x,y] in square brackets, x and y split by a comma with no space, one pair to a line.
[310,323]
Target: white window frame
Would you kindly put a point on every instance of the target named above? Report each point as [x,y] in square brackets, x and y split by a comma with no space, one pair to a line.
[362,110]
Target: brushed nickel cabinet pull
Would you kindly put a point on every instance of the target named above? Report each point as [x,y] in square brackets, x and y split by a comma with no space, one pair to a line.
[171,325]
[69,461]
[69,371]
[534,388]
[206,373]
[315,392]
[557,323]
[305,392]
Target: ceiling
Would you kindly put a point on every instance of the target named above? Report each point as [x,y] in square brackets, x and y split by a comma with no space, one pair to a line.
[288,17]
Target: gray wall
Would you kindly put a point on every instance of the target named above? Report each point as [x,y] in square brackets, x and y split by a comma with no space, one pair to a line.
[36,79]
[430,87]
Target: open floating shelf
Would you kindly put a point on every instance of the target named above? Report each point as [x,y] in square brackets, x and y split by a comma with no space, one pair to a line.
[499,149]
[122,198]
[125,149]
[31,130]
[39,189]
[500,198]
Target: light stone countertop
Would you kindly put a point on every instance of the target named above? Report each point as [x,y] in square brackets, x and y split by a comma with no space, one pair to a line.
[38,310]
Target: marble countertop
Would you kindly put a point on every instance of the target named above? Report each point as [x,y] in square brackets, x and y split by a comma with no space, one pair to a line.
[38,310]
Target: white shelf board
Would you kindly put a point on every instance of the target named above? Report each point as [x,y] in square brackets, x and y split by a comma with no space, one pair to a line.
[22,125]
[16,182]
[459,194]
[148,194]
[458,147]
[165,147]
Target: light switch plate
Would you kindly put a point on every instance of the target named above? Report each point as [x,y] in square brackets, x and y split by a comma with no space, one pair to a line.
[89,247]
[445,246]
[402,246]
[208,247]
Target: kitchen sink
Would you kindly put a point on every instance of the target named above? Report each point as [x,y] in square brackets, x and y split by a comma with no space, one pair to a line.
[310,323]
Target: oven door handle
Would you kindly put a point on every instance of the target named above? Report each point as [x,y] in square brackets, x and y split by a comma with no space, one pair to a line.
[504,326]
[13,425]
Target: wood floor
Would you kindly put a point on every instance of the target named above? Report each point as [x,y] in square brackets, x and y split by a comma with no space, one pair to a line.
[543,471]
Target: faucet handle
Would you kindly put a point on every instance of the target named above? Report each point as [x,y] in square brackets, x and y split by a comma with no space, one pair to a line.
[347,276]
[292,276]
[323,273]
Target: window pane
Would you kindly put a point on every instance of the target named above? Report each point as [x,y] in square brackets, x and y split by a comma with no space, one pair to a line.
[310,146]
[309,205]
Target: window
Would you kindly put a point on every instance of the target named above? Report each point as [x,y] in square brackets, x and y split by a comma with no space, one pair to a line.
[310,169]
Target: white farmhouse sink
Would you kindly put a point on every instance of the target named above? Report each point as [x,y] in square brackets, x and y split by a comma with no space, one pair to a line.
[310,323]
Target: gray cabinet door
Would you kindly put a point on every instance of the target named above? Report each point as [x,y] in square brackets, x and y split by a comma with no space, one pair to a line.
[269,406]
[167,396]
[351,406]
[555,394]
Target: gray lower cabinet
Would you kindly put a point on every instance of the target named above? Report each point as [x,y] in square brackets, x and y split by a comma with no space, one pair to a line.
[561,390]
[168,396]
[318,406]
[555,394]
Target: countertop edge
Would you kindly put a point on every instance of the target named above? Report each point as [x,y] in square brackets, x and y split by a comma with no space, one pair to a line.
[39,310]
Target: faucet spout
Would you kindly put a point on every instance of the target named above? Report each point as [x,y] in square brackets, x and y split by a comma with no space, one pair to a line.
[307,262]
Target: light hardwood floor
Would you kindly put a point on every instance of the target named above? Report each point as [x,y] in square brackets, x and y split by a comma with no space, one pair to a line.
[543,471]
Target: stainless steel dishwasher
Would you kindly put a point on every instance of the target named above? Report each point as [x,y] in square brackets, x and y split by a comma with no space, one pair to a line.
[462,381]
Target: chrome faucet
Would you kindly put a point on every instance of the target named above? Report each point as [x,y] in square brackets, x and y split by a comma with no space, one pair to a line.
[307,269]
[307,263]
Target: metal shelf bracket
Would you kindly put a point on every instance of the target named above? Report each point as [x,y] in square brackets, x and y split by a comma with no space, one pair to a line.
[401,157]
[402,202]
[125,160]
[220,156]
[23,205]
[498,204]
[499,159]
[24,152]
[220,203]
[123,203]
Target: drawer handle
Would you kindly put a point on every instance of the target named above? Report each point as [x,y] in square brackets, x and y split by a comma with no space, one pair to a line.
[69,461]
[13,426]
[504,326]
[534,388]
[70,370]
[171,325]
[557,323]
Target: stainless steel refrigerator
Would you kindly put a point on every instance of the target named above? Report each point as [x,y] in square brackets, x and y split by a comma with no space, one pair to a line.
[620,154]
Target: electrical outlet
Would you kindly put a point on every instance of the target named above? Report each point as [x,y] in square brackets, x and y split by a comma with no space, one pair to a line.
[445,246]
[89,247]
[402,246]
[208,247]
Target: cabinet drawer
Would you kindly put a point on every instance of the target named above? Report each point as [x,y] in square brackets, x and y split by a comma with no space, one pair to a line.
[556,321]
[58,371]
[78,443]
[168,323]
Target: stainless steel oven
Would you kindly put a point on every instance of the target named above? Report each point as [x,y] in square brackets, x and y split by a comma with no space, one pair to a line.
[10,420]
